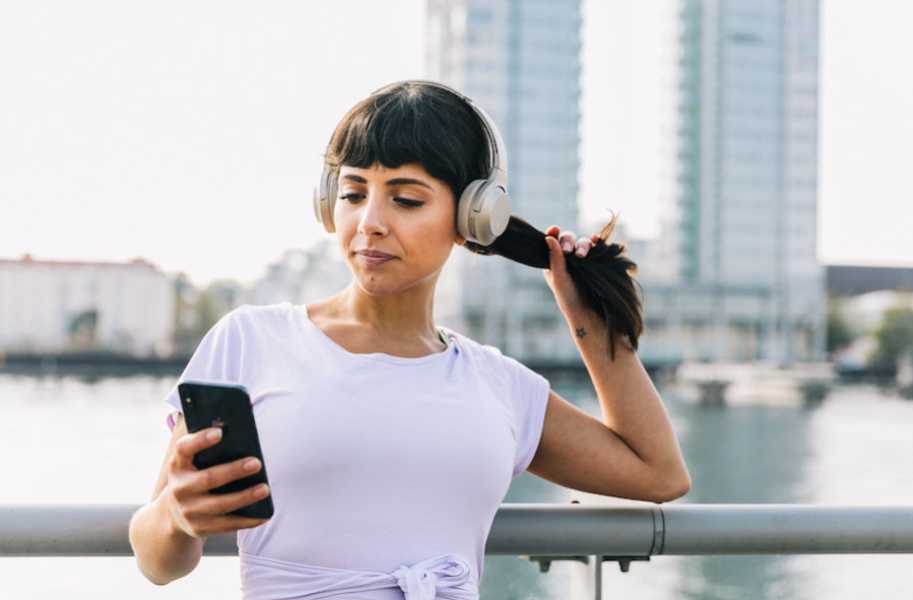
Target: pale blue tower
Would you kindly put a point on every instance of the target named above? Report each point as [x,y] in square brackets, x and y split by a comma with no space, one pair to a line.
[521,61]
[746,209]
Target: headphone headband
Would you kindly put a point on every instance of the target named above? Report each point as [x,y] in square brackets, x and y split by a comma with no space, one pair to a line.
[498,169]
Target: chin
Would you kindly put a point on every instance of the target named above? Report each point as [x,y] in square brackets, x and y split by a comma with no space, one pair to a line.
[376,286]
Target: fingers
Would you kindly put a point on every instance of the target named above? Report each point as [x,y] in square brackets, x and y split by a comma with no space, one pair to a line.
[219,475]
[220,504]
[230,523]
[234,522]
[201,513]
[583,246]
[570,243]
[567,239]
[210,525]
[556,259]
[190,444]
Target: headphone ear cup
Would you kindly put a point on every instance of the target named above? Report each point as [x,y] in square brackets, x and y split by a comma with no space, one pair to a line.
[465,222]
[484,211]
[494,215]
[325,201]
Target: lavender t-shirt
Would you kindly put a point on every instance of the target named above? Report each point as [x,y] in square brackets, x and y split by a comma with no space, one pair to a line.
[385,471]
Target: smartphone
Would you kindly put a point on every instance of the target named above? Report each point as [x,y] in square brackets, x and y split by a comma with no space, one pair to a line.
[228,406]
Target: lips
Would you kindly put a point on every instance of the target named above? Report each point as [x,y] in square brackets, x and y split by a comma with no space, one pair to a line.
[375,254]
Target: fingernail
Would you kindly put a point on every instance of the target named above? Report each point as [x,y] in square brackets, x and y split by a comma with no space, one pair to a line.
[251,464]
[580,252]
[214,434]
[567,246]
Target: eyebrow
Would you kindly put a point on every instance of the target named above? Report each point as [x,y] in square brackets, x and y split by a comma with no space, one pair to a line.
[394,181]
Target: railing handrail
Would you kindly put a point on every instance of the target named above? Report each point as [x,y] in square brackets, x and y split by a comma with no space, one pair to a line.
[537,529]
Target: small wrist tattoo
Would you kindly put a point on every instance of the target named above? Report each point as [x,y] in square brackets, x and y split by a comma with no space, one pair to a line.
[581,332]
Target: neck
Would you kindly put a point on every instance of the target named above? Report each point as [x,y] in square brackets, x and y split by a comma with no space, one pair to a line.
[408,315]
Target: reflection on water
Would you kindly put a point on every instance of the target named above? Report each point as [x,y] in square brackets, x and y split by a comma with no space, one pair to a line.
[102,440]
[754,454]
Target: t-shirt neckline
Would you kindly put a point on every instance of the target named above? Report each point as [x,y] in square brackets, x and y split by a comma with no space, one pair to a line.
[305,319]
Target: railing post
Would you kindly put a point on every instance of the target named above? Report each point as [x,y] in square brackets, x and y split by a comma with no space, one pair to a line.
[586,578]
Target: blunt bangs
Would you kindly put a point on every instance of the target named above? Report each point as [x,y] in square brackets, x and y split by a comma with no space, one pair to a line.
[413,124]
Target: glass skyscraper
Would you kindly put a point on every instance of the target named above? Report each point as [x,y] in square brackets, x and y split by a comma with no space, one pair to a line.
[520,60]
[745,214]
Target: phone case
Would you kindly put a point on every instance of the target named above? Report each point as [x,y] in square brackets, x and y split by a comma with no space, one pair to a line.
[227,406]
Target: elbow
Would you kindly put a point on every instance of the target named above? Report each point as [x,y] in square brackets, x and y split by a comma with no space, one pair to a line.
[135,539]
[152,551]
[151,577]
[675,488]
[146,568]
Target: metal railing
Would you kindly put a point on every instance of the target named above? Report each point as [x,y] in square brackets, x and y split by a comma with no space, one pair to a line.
[585,534]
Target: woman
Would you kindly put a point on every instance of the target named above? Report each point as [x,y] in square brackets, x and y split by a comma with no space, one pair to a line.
[390,441]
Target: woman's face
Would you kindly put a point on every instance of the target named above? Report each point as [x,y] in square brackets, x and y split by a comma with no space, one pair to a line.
[404,212]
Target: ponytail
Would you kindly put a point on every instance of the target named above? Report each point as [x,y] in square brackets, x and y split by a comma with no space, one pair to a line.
[604,277]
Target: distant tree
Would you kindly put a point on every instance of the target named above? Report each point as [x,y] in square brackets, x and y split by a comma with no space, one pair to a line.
[197,310]
[208,310]
[185,335]
[894,338]
[839,333]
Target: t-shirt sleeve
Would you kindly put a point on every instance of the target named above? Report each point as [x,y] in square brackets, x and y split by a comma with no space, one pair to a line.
[528,393]
[217,359]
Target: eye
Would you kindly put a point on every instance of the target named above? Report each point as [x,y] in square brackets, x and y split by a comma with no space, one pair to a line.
[354,198]
[408,202]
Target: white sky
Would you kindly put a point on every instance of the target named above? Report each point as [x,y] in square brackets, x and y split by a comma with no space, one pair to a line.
[190,133]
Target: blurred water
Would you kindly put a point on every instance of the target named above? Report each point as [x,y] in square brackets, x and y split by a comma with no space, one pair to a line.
[82,441]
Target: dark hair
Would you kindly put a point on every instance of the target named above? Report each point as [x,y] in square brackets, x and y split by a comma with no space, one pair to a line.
[419,123]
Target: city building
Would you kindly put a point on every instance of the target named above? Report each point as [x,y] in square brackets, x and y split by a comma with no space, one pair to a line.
[520,61]
[49,306]
[851,280]
[303,275]
[745,213]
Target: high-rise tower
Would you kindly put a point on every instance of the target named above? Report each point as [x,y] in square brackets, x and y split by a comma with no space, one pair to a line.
[746,209]
[520,60]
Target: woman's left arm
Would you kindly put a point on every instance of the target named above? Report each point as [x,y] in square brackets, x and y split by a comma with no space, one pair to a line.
[633,452]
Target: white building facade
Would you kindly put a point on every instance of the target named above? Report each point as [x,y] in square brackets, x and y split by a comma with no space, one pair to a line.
[521,62]
[62,306]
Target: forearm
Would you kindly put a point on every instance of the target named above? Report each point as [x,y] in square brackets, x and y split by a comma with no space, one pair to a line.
[631,406]
[163,553]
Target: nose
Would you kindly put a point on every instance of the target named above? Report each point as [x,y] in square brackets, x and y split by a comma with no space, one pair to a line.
[372,220]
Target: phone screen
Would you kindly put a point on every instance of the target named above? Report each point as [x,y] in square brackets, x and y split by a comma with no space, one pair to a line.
[226,406]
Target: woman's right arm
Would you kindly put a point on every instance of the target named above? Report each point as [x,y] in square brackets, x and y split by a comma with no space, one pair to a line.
[163,552]
[167,534]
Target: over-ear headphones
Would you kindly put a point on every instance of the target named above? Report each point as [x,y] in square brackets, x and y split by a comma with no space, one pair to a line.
[483,209]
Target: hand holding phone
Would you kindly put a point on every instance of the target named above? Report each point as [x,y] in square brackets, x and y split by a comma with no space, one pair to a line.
[195,510]
[228,408]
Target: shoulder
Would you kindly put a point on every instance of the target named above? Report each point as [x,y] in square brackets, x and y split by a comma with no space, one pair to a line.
[487,356]
[247,322]
[474,348]
[250,315]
